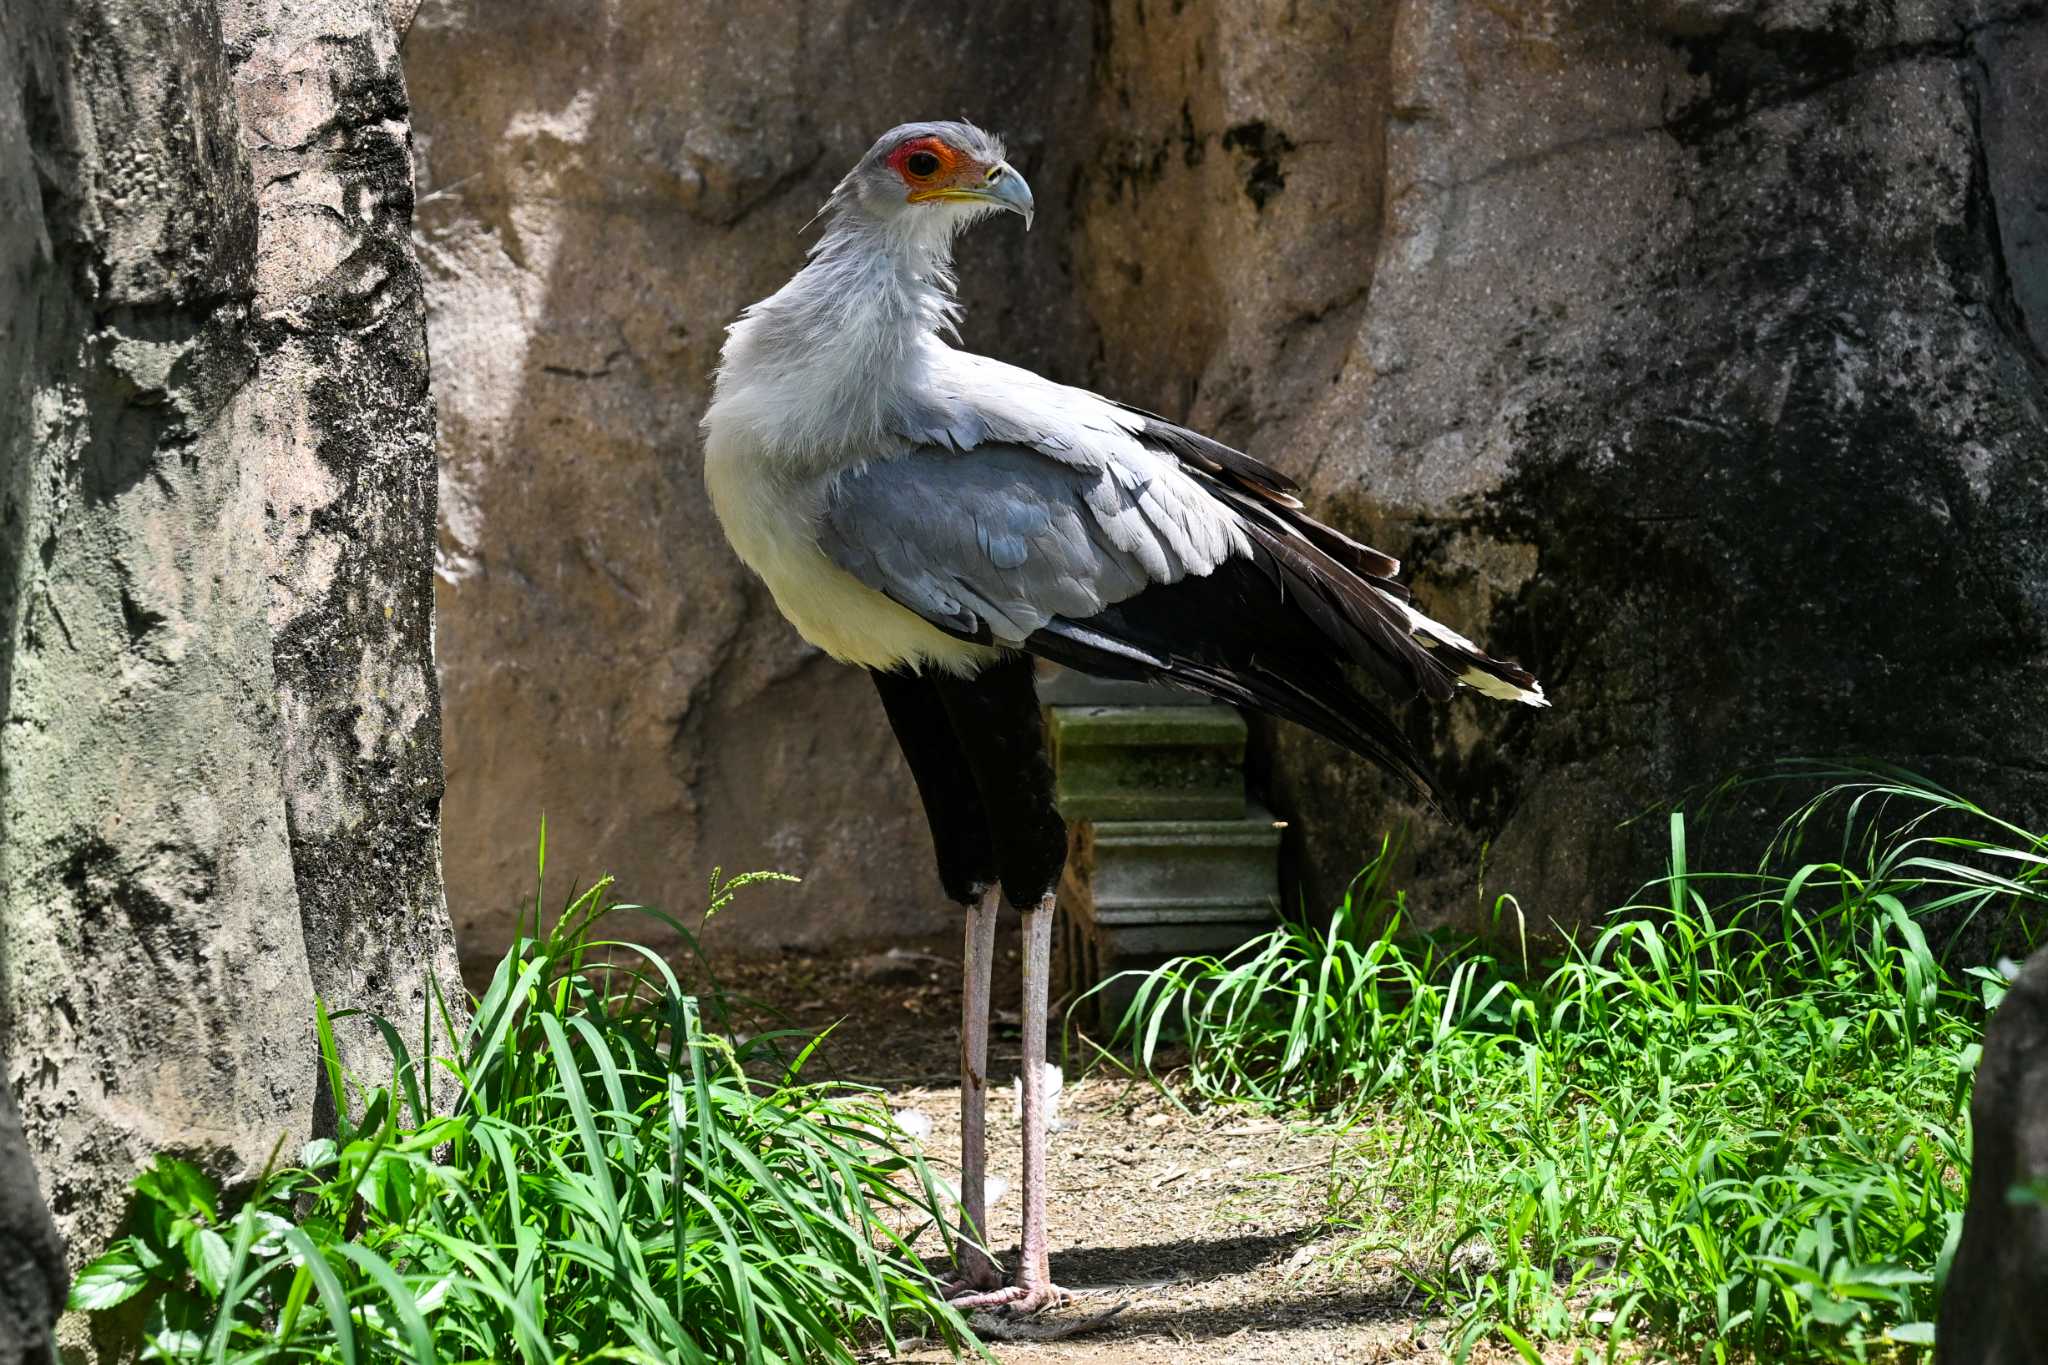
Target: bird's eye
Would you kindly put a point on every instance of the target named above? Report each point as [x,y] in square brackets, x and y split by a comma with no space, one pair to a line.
[921,164]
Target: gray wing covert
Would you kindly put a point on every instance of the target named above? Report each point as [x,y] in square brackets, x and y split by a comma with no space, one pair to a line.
[994,542]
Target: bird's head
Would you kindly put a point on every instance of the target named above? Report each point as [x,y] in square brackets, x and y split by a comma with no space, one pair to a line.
[929,180]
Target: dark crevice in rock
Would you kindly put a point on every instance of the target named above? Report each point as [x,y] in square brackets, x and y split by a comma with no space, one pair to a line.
[1751,69]
[139,620]
[1984,211]
[1314,317]
[1531,160]
[600,371]
[1262,146]
[1194,147]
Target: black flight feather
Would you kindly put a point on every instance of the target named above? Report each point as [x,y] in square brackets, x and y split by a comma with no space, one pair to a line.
[1255,633]
[1321,562]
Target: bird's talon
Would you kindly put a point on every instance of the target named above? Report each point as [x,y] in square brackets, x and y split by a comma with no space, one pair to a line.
[975,1272]
[1037,1298]
[965,1286]
[993,1298]
[1016,1300]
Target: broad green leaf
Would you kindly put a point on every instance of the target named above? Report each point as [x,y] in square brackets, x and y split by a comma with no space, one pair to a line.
[207,1252]
[114,1277]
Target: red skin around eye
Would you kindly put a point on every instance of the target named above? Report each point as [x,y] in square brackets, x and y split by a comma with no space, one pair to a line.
[949,160]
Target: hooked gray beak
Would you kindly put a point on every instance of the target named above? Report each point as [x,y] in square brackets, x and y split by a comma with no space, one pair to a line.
[1006,188]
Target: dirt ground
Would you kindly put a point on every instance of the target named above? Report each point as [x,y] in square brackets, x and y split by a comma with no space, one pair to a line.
[1206,1227]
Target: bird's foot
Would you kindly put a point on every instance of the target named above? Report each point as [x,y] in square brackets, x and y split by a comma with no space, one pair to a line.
[970,1299]
[1036,1298]
[972,1282]
[975,1274]
[1029,1295]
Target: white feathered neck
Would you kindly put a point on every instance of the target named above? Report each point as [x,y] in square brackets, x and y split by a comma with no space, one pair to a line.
[831,358]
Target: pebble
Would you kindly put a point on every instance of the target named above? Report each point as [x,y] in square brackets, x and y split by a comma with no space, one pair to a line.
[893,968]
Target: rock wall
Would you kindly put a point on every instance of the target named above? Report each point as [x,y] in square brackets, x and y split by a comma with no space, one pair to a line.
[1693,373]
[1991,1310]
[343,432]
[220,779]
[1690,350]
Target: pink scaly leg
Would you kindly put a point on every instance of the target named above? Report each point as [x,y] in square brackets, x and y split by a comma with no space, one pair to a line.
[976,1273]
[1034,1288]
[1034,1275]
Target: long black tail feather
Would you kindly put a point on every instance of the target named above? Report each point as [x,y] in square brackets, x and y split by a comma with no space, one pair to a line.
[1346,587]
[1253,634]
[1273,631]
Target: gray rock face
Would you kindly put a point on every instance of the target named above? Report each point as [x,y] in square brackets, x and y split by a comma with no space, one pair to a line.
[1690,350]
[1692,374]
[219,780]
[1991,1311]
[345,434]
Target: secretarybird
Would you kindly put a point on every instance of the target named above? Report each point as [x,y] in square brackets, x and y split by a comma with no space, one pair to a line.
[939,518]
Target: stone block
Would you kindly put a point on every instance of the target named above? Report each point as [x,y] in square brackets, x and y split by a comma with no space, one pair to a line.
[1137,892]
[1148,762]
[1064,687]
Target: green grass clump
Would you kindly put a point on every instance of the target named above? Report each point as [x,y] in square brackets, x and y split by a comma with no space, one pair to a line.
[1732,1125]
[610,1184]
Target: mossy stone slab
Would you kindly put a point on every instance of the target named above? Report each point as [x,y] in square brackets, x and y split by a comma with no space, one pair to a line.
[1148,762]
[1137,892]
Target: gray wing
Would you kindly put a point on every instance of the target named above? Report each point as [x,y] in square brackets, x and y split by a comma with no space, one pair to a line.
[994,542]
[1106,539]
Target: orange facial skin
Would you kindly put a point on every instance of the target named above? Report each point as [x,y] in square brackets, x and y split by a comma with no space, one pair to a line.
[955,170]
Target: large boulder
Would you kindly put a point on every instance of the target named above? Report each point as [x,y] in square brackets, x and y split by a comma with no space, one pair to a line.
[219,768]
[1769,428]
[1690,350]
[1991,1310]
